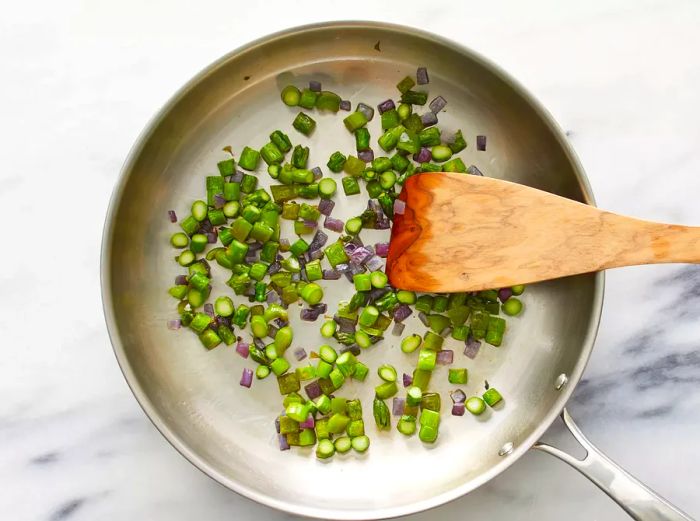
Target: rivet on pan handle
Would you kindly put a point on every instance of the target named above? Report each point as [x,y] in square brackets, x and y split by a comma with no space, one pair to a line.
[639,501]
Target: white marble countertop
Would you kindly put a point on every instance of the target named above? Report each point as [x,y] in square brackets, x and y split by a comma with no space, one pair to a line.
[80,81]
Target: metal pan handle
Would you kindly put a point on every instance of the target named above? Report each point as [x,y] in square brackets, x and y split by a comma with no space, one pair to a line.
[639,501]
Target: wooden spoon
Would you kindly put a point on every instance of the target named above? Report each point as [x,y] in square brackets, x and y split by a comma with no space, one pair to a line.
[465,233]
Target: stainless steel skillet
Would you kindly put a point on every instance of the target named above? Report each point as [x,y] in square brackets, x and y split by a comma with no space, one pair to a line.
[192,396]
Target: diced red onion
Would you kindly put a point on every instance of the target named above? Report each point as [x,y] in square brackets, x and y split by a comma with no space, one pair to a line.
[315,254]
[223,321]
[423,156]
[312,313]
[237,177]
[429,119]
[354,349]
[360,255]
[282,439]
[273,297]
[181,280]
[172,216]
[422,76]
[296,277]
[274,268]
[471,347]
[458,396]
[309,422]
[309,223]
[331,274]
[398,406]
[319,240]
[473,170]
[277,424]
[335,225]
[504,294]
[445,357]
[386,105]
[345,105]
[300,353]
[407,380]
[243,348]
[219,201]
[458,409]
[342,268]
[326,206]
[209,309]
[437,104]
[315,86]
[383,223]
[377,293]
[345,324]
[280,322]
[374,263]
[481,143]
[272,330]
[356,268]
[313,390]
[399,206]
[247,377]
[318,173]
[174,324]
[382,249]
[424,318]
[251,257]
[446,332]
[402,312]
[398,328]
[366,155]
[211,237]
[259,343]
[205,226]
[366,110]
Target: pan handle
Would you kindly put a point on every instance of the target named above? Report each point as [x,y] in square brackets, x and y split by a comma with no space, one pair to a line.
[639,501]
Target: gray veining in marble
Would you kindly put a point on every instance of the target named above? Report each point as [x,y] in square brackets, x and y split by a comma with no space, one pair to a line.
[79,82]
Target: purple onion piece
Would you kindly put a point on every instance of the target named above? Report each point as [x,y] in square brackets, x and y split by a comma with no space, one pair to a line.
[326,206]
[429,119]
[342,268]
[349,247]
[272,330]
[247,378]
[312,313]
[209,309]
[473,170]
[250,258]
[424,318]
[259,343]
[310,223]
[345,105]
[437,104]
[374,263]
[366,155]
[282,439]
[172,216]
[423,156]
[504,294]
[422,76]
[237,177]
[383,223]
[300,353]
[315,254]
[308,423]
[458,396]
[280,322]
[481,143]
[458,409]
[181,280]
[386,105]
[360,255]
[398,328]
[381,249]
[398,406]
[296,277]
[445,357]
[354,349]
[374,205]
[243,348]
[319,240]
[399,206]
[471,347]
[402,312]
[174,324]
[219,201]
[357,241]
[366,110]
[223,321]
[331,274]
[318,173]
[315,86]
[313,390]
[277,424]
[335,225]
[274,268]
[205,226]
[407,380]
[447,331]
[355,268]
[377,293]
[273,297]
[345,325]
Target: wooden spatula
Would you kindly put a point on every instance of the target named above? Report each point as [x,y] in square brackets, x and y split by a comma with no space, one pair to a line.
[465,233]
